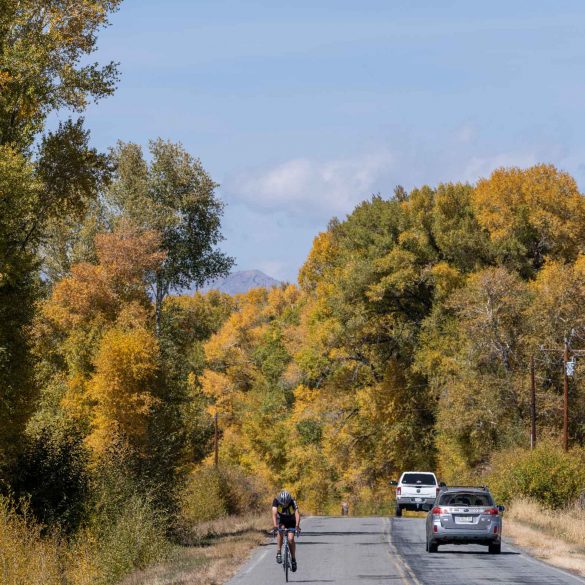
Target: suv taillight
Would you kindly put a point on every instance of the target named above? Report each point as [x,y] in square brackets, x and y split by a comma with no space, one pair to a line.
[436,511]
[492,512]
[398,491]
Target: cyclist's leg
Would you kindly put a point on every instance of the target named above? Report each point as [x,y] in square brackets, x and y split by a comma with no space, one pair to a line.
[293,547]
[279,547]
[292,544]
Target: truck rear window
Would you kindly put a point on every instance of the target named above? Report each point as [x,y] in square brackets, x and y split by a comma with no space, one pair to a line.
[465,499]
[419,479]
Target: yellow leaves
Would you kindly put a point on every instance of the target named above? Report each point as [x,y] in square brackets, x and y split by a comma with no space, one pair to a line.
[219,387]
[279,300]
[321,258]
[446,279]
[76,401]
[5,78]
[541,198]
[559,298]
[123,388]
[306,404]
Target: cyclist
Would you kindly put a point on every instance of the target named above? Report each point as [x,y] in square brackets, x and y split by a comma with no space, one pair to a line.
[285,514]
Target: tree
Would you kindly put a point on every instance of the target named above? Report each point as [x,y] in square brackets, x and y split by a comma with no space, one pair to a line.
[123,389]
[44,45]
[174,195]
[531,214]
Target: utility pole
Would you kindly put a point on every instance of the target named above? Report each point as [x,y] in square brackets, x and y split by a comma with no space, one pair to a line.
[566,398]
[568,370]
[216,439]
[532,404]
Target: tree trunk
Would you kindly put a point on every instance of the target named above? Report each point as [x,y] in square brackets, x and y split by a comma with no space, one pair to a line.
[159,297]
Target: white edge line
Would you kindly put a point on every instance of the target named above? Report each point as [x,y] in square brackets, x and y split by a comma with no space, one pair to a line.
[255,563]
[402,566]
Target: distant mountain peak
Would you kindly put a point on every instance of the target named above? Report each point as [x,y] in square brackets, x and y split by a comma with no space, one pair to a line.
[241,282]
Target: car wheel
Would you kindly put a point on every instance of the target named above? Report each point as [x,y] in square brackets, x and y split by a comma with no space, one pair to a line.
[432,546]
[398,511]
[495,548]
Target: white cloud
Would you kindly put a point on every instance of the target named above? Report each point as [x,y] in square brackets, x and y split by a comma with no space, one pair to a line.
[310,188]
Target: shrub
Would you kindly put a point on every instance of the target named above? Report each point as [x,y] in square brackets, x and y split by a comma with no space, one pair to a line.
[546,474]
[133,541]
[52,475]
[216,492]
[25,556]
[125,531]
[378,500]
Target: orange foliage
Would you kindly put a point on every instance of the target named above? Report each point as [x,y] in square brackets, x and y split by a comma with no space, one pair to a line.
[126,258]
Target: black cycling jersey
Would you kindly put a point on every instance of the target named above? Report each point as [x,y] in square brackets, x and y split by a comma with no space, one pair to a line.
[285,514]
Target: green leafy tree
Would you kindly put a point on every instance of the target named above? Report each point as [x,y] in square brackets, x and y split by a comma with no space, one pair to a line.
[44,46]
[174,195]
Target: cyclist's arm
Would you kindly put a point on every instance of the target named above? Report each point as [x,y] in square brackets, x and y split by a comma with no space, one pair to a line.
[275,516]
[298,518]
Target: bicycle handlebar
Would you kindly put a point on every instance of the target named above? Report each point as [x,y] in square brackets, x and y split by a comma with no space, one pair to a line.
[288,530]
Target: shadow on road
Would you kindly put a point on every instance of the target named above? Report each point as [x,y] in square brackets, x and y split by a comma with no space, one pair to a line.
[380,577]
[314,581]
[348,533]
[474,552]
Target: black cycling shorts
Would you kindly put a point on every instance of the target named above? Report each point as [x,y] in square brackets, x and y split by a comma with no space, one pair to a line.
[287,521]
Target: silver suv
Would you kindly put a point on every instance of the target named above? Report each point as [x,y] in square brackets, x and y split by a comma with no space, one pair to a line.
[464,515]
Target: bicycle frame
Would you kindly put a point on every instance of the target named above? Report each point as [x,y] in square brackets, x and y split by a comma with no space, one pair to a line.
[286,556]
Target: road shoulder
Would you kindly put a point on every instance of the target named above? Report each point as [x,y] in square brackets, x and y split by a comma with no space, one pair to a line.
[537,544]
[224,547]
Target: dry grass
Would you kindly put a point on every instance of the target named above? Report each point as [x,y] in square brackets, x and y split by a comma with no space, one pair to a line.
[216,551]
[555,536]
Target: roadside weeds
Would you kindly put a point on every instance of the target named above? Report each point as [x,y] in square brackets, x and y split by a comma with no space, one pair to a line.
[556,537]
[216,551]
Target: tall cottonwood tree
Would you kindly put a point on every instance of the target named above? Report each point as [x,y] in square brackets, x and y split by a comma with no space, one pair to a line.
[174,195]
[44,45]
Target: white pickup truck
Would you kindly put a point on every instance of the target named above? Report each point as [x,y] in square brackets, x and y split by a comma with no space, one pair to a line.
[415,490]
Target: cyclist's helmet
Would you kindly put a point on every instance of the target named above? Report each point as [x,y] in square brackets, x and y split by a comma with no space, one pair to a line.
[284,498]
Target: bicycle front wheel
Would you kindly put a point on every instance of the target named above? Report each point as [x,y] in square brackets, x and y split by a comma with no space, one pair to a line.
[286,562]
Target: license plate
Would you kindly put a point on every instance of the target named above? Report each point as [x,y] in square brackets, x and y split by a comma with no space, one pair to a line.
[464,519]
[418,499]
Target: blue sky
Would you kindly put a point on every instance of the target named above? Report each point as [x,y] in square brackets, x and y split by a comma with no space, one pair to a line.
[303,109]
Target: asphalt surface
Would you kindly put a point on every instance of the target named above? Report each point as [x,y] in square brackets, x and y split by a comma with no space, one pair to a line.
[468,564]
[374,551]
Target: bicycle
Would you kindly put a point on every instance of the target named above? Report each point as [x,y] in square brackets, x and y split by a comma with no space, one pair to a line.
[286,556]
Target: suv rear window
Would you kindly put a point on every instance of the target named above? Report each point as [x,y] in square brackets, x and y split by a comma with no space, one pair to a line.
[419,479]
[465,499]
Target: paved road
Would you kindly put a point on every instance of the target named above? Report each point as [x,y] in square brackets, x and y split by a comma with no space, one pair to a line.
[374,551]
